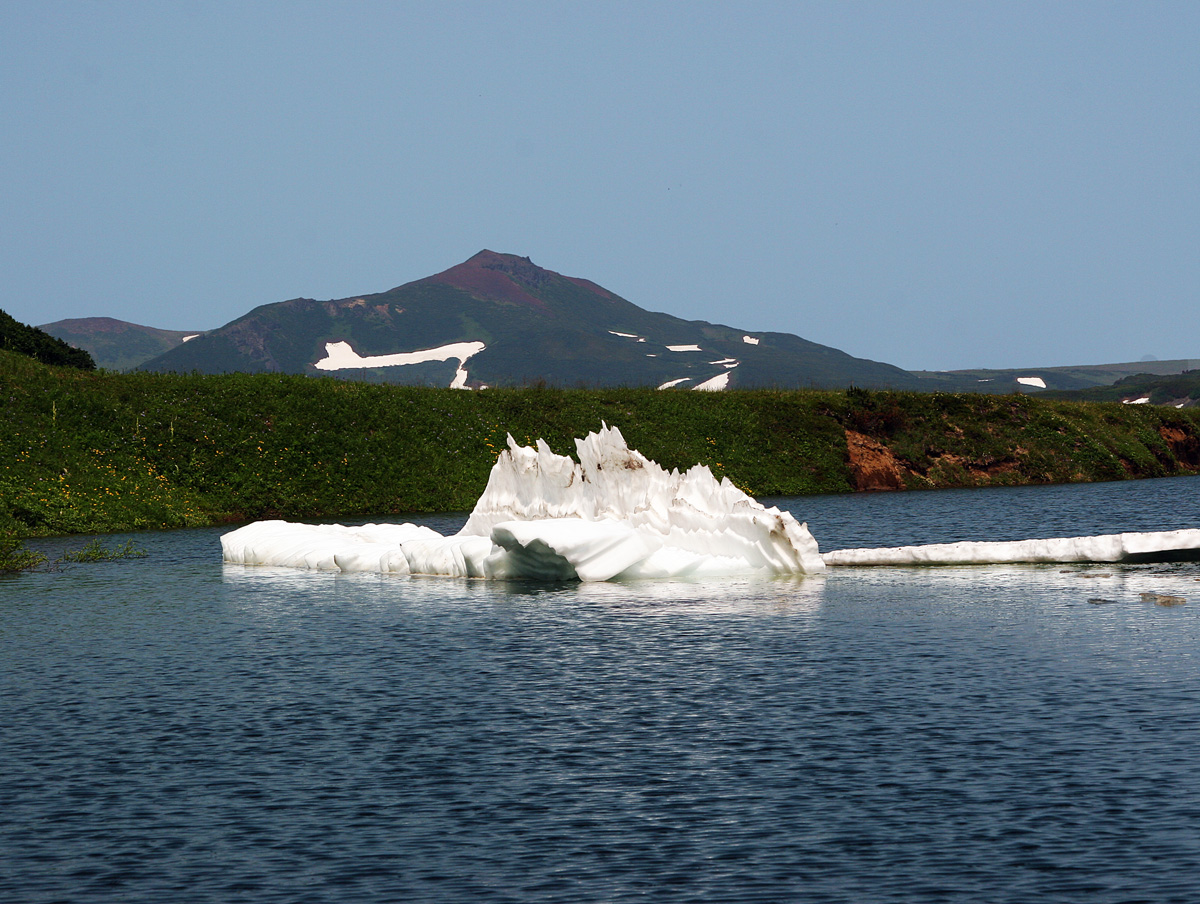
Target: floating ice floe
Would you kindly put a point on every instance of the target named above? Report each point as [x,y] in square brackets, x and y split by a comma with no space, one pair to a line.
[614,515]
[617,515]
[1129,547]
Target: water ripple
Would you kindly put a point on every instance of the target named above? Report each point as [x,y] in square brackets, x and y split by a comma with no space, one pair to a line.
[173,730]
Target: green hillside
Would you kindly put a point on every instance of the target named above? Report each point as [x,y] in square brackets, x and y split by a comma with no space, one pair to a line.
[29,340]
[116,344]
[101,451]
[1177,390]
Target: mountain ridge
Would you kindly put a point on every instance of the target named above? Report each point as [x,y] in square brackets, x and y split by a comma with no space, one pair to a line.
[536,325]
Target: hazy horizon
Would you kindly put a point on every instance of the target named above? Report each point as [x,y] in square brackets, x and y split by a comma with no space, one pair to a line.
[941,186]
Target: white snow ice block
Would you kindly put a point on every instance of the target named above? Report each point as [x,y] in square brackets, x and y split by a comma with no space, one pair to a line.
[612,483]
[455,557]
[1100,548]
[614,514]
[323,547]
[674,563]
[566,548]
[382,558]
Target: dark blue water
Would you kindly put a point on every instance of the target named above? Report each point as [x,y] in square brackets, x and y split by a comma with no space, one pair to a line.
[174,730]
[1014,513]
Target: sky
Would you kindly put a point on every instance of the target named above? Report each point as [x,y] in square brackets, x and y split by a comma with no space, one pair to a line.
[934,185]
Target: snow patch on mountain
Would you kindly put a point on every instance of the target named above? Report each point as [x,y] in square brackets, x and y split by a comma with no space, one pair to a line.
[716,384]
[341,356]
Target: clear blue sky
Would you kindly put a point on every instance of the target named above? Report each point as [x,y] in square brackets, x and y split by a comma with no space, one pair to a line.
[936,185]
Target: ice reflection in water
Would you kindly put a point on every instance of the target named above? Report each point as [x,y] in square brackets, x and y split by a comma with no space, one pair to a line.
[730,596]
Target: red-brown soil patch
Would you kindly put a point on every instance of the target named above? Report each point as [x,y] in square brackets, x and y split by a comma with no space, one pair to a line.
[495,277]
[872,465]
[1183,445]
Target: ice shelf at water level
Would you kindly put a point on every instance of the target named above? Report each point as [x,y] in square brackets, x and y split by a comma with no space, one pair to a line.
[614,515]
[1175,545]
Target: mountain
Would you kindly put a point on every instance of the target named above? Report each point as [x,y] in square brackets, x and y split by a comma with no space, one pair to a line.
[499,319]
[37,343]
[116,344]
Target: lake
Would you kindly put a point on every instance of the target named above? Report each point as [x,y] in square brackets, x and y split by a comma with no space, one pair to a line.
[172,729]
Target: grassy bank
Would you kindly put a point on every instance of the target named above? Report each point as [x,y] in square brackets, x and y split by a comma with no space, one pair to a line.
[88,451]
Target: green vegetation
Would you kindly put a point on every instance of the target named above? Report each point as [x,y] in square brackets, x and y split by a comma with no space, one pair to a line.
[98,552]
[942,439]
[29,340]
[15,557]
[99,451]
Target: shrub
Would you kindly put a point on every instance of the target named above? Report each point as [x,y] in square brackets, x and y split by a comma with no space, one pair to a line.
[15,557]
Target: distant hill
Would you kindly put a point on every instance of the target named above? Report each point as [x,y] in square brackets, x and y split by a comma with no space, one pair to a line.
[116,344]
[1180,390]
[1034,379]
[36,343]
[499,319]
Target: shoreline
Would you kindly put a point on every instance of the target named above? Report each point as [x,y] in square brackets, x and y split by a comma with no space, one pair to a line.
[90,453]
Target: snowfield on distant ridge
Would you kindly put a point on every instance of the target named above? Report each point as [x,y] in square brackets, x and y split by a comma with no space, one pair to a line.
[716,384]
[340,356]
